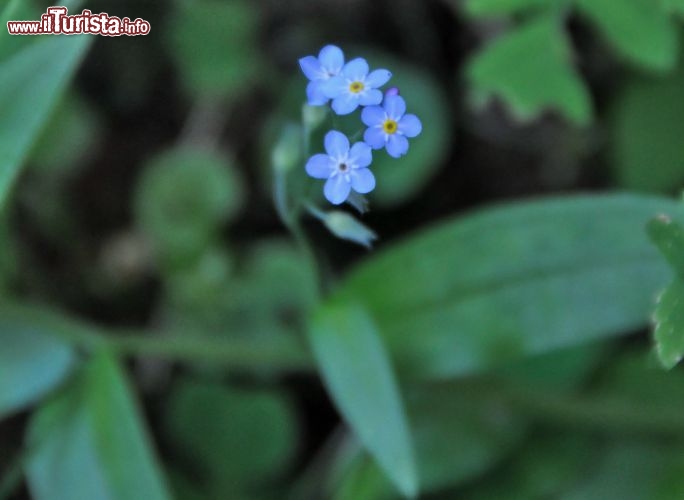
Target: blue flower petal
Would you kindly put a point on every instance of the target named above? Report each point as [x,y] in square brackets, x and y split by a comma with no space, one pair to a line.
[314,94]
[336,189]
[356,69]
[331,59]
[397,145]
[370,98]
[372,115]
[311,67]
[345,104]
[395,106]
[334,87]
[360,154]
[378,78]
[336,144]
[319,166]
[374,137]
[410,125]
[362,180]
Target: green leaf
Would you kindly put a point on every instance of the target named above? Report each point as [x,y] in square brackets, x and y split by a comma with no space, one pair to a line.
[16,10]
[32,361]
[26,100]
[214,44]
[485,8]
[89,443]
[668,236]
[404,178]
[513,281]
[640,30]
[647,130]
[360,379]
[8,12]
[530,69]
[669,324]
[235,440]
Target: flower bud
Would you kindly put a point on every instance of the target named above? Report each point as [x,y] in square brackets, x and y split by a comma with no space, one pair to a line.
[392,91]
[346,227]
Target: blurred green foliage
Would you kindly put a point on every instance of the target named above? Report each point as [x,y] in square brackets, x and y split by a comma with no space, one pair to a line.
[489,355]
[183,199]
[246,438]
[647,130]
[214,44]
[504,69]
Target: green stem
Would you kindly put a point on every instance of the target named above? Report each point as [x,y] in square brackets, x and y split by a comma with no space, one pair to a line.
[281,354]
[280,198]
[286,356]
[604,413]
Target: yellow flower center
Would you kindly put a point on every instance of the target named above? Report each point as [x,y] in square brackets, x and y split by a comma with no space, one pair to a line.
[389,126]
[356,87]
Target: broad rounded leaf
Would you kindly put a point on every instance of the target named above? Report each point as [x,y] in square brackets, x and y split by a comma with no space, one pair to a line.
[513,281]
[183,198]
[237,440]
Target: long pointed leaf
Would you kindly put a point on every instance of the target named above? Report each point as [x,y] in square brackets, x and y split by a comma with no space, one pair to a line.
[30,83]
[361,381]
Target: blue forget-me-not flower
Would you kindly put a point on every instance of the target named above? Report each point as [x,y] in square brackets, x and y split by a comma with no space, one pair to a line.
[389,126]
[319,69]
[349,86]
[355,86]
[344,167]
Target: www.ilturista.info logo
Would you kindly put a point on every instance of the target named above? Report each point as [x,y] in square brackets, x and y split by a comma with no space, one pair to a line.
[57,22]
